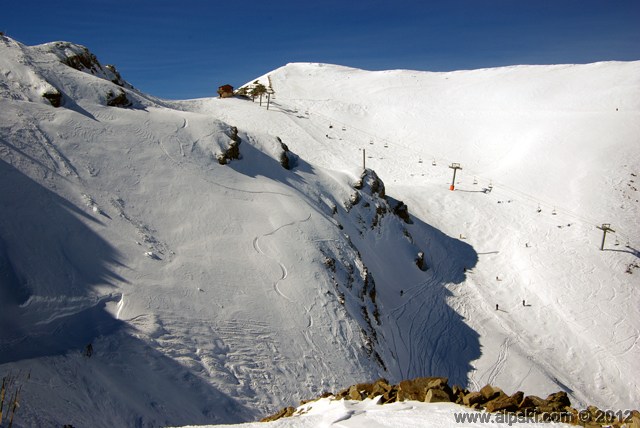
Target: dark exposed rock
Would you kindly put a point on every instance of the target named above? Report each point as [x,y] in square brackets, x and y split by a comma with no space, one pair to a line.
[117,79]
[233,151]
[361,391]
[416,389]
[458,393]
[400,209]
[561,398]
[489,392]
[502,403]
[54,97]
[437,396]
[381,387]
[556,408]
[420,261]
[118,99]
[83,60]
[518,396]
[284,160]
[284,413]
[473,398]
[370,183]
[531,402]
[287,159]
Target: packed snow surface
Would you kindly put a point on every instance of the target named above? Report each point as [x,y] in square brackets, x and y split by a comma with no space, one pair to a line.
[408,414]
[220,293]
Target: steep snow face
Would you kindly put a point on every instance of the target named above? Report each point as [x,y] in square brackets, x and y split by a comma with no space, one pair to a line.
[217,293]
[239,288]
[547,153]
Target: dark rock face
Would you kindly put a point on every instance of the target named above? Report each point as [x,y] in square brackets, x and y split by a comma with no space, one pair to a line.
[284,413]
[118,99]
[418,388]
[287,159]
[472,398]
[233,151]
[83,60]
[420,261]
[54,97]
[489,392]
[117,79]
[400,209]
[437,396]
[502,403]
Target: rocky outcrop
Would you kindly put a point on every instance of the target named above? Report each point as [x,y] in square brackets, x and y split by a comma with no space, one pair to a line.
[53,96]
[81,59]
[555,408]
[118,99]
[287,159]
[117,78]
[420,261]
[373,187]
[284,413]
[233,151]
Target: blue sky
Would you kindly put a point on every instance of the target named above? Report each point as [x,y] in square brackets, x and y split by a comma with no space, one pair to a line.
[187,48]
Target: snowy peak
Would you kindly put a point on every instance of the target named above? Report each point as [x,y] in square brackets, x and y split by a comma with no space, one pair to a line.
[81,59]
[47,74]
[596,86]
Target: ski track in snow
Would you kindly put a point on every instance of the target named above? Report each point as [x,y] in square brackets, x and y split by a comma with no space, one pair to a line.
[500,362]
[579,332]
[283,268]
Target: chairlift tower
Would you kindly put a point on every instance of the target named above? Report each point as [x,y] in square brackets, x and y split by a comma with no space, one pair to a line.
[455,167]
[270,92]
[606,227]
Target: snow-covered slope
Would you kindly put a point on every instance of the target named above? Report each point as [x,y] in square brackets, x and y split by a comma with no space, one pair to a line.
[344,413]
[559,147]
[218,293]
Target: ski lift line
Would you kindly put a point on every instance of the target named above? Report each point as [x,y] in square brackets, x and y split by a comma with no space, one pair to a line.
[387,141]
[530,197]
[477,177]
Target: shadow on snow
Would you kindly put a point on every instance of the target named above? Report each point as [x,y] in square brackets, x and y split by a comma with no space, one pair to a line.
[51,264]
[424,336]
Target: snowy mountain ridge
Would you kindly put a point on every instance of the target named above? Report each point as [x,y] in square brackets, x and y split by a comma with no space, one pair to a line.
[218,293]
